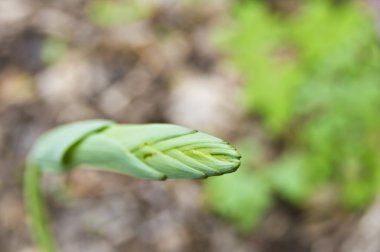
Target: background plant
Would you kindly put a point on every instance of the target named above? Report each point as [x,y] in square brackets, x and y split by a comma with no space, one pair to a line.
[312,78]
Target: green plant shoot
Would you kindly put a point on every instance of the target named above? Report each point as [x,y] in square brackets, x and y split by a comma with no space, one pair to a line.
[151,151]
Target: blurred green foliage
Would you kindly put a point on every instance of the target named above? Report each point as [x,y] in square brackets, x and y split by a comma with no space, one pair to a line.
[314,79]
[53,50]
[241,197]
[117,12]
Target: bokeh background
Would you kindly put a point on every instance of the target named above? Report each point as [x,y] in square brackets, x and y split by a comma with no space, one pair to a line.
[295,85]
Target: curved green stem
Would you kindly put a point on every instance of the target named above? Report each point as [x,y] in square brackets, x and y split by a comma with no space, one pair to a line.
[38,217]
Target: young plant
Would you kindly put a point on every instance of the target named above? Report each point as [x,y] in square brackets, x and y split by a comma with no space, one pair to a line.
[152,151]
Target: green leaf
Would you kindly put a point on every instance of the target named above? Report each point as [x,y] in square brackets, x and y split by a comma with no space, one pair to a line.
[50,149]
[152,151]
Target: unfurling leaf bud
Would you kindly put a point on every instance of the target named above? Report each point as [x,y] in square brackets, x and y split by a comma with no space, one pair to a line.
[149,151]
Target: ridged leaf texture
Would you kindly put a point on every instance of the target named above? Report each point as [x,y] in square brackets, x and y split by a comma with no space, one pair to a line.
[149,151]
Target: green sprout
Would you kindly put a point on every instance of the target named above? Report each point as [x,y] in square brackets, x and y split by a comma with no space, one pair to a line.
[149,151]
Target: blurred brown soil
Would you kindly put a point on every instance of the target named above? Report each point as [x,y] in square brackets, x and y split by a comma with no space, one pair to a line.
[160,69]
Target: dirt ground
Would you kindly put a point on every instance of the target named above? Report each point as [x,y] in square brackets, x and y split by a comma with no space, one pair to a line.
[159,69]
